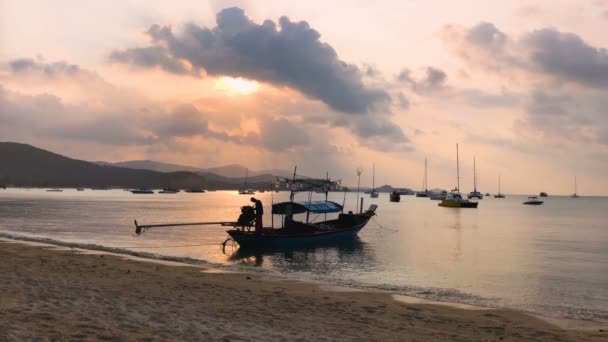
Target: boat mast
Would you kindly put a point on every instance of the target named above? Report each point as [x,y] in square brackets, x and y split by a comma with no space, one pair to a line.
[373,177]
[426,185]
[499,184]
[474,176]
[457,170]
[575,190]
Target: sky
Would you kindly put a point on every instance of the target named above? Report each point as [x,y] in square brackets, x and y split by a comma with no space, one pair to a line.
[329,86]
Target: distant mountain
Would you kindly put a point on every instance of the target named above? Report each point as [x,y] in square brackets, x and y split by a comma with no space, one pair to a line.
[232,171]
[25,165]
[151,165]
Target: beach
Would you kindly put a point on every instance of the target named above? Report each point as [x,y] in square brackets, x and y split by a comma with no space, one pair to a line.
[64,294]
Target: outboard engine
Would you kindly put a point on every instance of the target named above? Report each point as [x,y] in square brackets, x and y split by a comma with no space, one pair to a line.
[247,217]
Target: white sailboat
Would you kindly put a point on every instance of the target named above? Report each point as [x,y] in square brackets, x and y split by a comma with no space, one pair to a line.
[373,193]
[499,195]
[424,193]
[575,194]
[475,193]
[244,190]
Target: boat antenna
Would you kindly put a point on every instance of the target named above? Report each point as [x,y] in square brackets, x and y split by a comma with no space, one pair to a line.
[457,170]
[359,172]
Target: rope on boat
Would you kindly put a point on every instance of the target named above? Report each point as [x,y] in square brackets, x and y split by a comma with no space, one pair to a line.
[381,227]
[169,246]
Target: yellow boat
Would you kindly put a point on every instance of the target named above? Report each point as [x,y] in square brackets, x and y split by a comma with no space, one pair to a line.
[454,199]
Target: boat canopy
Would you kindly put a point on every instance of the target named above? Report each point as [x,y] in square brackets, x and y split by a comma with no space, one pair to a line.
[319,207]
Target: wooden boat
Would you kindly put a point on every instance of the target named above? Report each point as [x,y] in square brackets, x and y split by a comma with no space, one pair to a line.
[291,232]
[294,233]
[475,193]
[533,200]
[454,199]
[395,196]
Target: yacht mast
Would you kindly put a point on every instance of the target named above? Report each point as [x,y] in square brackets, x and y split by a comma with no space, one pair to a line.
[426,185]
[457,170]
[373,177]
[474,176]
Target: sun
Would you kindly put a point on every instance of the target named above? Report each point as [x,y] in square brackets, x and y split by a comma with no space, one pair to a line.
[238,86]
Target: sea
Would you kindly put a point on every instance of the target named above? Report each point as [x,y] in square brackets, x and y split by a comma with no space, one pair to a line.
[549,260]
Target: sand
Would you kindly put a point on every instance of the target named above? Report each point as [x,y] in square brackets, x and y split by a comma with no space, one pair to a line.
[61,294]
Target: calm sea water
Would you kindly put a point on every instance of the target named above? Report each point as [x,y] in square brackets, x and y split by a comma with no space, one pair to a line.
[550,260]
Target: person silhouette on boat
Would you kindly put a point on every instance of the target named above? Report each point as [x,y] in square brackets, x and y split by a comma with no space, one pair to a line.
[259,213]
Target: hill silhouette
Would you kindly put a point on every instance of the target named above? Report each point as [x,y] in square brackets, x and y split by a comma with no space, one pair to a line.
[26,165]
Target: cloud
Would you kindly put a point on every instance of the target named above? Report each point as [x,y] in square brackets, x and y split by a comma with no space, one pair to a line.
[434,79]
[568,57]
[279,135]
[292,56]
[544,53]
[52,70]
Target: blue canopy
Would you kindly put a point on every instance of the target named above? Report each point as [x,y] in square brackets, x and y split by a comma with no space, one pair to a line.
[319,207]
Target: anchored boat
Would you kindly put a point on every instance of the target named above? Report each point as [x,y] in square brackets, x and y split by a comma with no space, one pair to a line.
[395,196]
[454,199]
[292,231]
[475,193]
[533,200]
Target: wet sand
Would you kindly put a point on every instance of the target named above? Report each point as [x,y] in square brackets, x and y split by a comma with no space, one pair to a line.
[50,294]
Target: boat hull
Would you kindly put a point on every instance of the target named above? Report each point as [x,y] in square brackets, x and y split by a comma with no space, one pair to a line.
[457,204]
[533,202]
[269,238]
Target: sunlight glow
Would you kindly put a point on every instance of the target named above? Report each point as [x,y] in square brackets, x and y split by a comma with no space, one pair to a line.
[238,86]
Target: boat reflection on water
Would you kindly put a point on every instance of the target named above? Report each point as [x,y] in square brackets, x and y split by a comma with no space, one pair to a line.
[316,258]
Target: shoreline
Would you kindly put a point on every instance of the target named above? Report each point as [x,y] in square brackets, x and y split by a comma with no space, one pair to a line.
[44,284]
[209,267]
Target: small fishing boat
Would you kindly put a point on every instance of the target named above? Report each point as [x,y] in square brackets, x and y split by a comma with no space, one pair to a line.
[142,191]
[475,193]
[395,196]
[292,232]
[488,194]
[533,200]
[168,191]
[499,195]
[454,199]
[543,194]
[79,189]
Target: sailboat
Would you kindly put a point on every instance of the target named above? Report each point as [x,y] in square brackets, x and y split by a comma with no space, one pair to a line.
[575,195]
[424,193]
[454,199]
[244,190]
[499,195]
[373,193]
[475,193]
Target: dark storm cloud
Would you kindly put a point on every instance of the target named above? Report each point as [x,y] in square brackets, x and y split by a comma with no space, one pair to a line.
[292,56]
